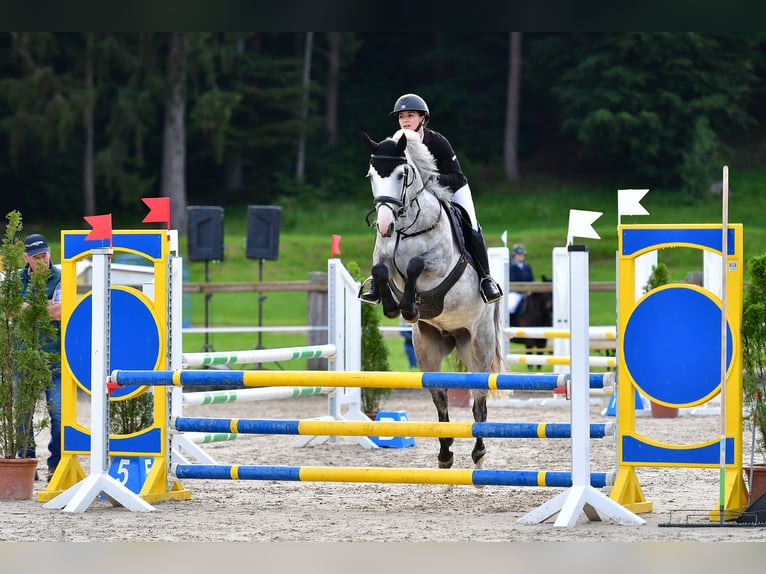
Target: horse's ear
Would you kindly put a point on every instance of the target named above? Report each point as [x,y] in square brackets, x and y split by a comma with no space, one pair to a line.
[401,145]
[368,143]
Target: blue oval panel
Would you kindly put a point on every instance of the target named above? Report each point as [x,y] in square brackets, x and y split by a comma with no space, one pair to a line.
[672,345]
[134,340]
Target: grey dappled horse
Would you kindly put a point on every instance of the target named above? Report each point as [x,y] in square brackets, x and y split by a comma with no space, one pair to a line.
[423,272]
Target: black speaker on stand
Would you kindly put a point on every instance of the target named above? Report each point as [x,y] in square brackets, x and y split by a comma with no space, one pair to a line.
[205,224]
[262,243]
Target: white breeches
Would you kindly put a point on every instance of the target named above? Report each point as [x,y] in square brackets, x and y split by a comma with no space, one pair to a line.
[464,199]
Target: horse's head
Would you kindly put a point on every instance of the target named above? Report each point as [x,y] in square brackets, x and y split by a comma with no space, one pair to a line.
[391,174]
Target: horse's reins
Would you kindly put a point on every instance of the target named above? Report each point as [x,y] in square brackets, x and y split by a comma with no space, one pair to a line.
[387,200]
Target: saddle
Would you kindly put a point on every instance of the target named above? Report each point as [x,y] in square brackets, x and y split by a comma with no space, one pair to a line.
[431,303]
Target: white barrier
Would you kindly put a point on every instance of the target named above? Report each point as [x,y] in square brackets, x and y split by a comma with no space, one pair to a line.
[343,351]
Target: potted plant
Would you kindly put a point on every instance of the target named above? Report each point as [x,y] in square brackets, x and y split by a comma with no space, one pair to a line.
[754,366]
[128,416]
[25,370]
[374,352]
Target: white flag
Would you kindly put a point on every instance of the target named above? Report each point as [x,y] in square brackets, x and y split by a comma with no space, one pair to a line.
[504,238]
[581,224]
[629,202]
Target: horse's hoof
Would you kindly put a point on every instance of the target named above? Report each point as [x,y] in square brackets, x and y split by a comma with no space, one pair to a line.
[446,463]
[411,316]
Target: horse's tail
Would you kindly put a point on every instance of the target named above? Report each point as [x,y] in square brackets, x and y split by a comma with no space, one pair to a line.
[499,364]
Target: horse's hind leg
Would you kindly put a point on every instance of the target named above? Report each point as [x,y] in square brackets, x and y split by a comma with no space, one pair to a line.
[479,416]
[445,457]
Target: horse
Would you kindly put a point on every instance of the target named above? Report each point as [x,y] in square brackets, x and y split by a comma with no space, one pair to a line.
[423,272]
[535,310]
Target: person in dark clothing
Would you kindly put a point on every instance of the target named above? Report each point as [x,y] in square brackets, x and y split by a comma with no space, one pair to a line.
[412,113]
[37,255]
[520,270]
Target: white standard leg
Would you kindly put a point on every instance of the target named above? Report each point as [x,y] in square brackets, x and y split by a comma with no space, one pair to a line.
[78,497]
[581,496]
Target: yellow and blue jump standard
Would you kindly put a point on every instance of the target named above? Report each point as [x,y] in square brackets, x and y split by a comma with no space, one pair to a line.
[670,349]
[137,337]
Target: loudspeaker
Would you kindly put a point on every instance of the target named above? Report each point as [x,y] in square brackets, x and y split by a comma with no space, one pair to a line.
[205,225]
[263,231]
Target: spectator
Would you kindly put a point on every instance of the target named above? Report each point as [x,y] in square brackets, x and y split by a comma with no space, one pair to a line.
[520,271]
[37,256]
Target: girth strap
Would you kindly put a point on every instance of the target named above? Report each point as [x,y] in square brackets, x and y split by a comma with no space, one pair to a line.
[431,303]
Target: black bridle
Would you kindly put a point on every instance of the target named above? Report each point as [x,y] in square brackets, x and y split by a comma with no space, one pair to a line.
[400,203]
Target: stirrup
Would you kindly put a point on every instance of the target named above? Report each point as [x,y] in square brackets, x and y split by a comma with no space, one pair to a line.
[371,295]
[490,290]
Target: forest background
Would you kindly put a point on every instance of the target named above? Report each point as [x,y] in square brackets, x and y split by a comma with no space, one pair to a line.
[90,123]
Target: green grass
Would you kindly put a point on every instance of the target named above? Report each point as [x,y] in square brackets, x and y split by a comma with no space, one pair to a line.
[534,212]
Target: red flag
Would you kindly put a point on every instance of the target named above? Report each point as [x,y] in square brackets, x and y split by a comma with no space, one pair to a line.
[335,246]
[159,210]
[102,227]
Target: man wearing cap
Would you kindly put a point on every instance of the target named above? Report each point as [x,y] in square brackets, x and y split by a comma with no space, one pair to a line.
[520,271]
[37,256]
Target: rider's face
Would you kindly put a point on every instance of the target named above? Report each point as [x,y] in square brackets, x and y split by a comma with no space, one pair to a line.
[410,120]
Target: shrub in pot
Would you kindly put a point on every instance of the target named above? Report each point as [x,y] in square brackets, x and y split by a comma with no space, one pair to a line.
[25,370]
[374,351]
[754,353]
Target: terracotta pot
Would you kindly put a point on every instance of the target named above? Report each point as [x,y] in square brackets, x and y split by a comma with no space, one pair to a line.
[663,412]
[17,478]
[459,397]
[758,487]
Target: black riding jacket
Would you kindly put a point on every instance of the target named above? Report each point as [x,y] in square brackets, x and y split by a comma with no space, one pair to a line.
[450,172]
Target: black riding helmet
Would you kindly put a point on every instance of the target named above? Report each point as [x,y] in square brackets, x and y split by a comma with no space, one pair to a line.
[410,102]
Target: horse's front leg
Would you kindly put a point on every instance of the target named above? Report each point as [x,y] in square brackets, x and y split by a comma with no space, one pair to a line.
[479,416]
[380,277]
[445,457]
[409,307]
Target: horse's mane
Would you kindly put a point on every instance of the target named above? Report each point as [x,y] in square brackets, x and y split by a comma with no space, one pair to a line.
[420,157]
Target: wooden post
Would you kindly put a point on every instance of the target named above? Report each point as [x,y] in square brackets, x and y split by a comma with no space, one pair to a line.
[317,317]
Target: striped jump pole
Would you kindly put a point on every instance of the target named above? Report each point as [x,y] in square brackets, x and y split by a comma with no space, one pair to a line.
[248,395]
[531,359]
[257,356]
[373,379]
[481,477]
[378,428]
[209,437]
[594,332]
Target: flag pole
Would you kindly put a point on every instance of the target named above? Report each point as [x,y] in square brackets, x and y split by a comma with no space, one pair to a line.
[724,273]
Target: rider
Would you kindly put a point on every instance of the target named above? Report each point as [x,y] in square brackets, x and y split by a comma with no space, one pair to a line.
[412,113]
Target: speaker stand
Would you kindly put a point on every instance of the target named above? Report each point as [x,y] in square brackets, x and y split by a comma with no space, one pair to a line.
[207,347]
[261,299]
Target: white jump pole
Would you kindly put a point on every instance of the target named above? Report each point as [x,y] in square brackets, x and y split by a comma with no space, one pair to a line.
[78,497]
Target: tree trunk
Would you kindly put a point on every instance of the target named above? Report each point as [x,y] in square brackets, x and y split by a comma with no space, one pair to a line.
[233,173]
[173,183]
[333,78]
[300,164]
[88,188]
[511,151]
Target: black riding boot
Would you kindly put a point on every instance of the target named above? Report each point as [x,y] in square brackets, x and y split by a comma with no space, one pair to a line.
[372,295]
[490,290]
